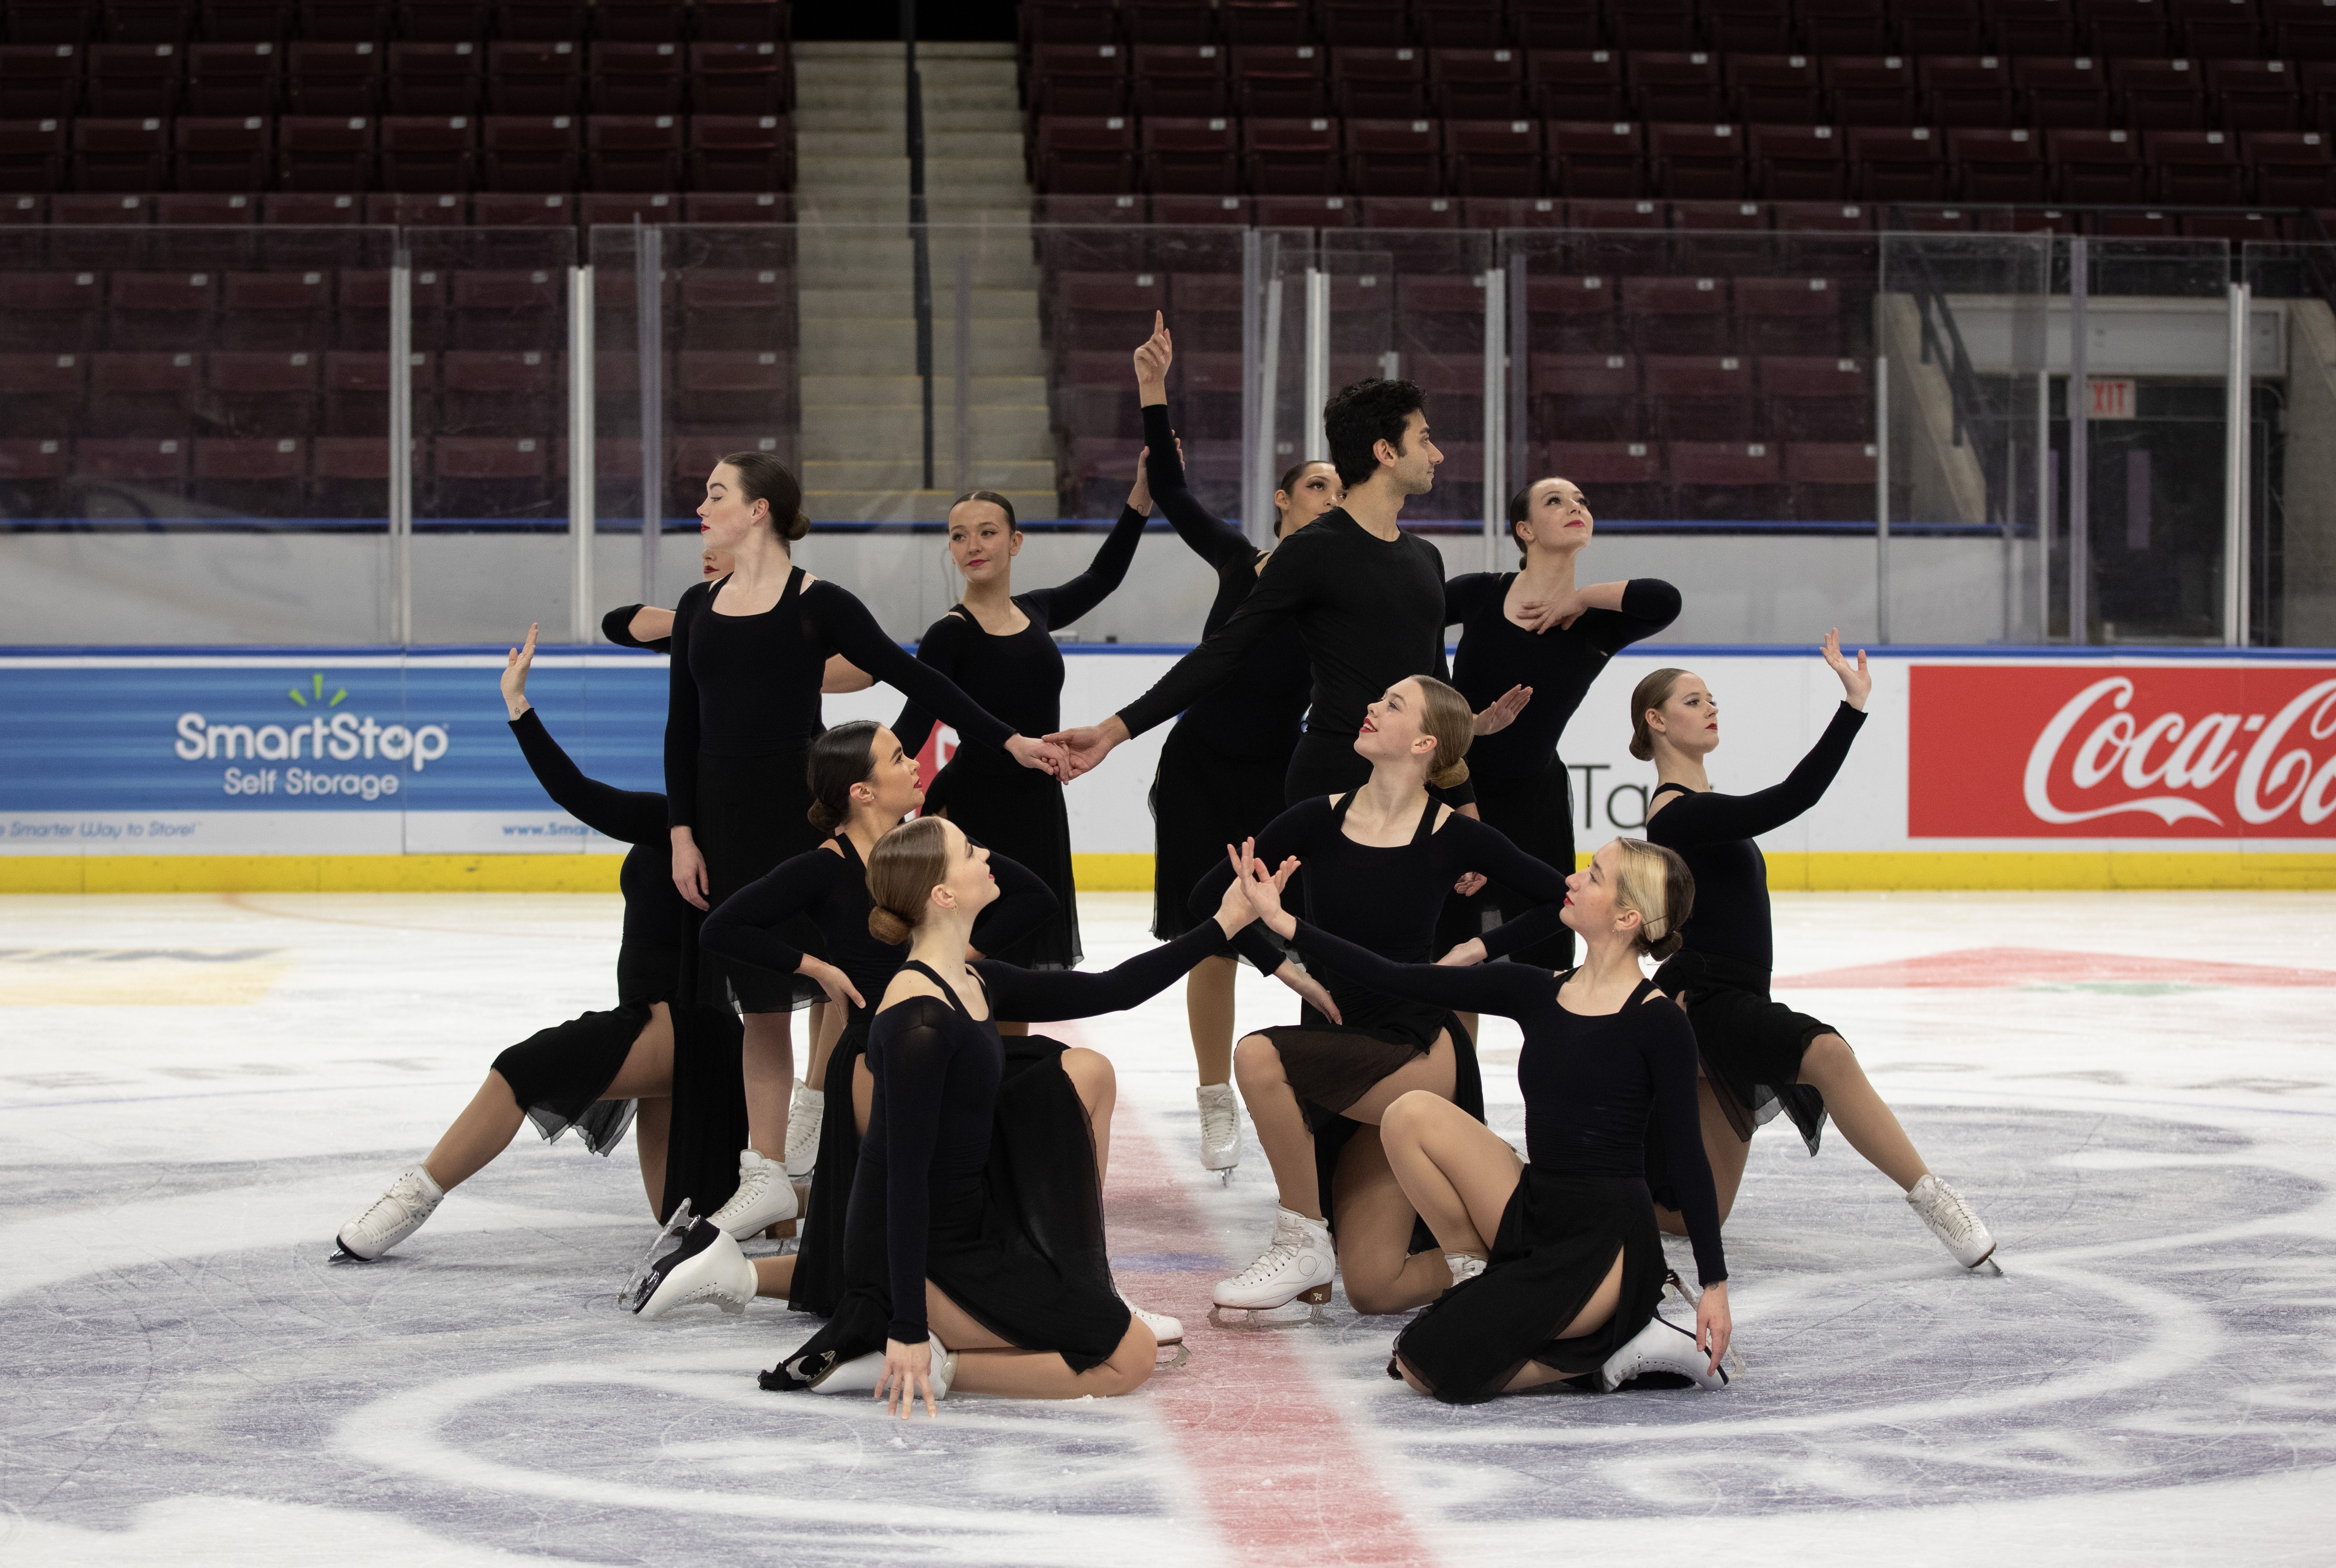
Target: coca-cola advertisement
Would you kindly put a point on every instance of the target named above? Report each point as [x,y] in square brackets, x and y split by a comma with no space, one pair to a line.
[2126,750]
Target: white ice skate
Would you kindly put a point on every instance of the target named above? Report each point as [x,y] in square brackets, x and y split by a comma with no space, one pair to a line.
[765,1197]
[1464,1266]
[863,1373]
[1220,1129]
[1298,1264]
[1165,1329]
[803,1117]
[1951,1221]
[396,1214]
[1661,1349]
[706,1267]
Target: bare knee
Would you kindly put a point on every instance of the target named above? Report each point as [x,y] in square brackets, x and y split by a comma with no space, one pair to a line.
[1411,1378]
[1378,1299]
[1409,1115]
[1827,1057]
[1256,1061]
[1090,1071]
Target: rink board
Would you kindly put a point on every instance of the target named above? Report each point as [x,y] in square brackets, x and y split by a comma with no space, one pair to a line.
[329,771]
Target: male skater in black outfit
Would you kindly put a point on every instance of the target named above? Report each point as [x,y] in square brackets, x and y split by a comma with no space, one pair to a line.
[1367,599]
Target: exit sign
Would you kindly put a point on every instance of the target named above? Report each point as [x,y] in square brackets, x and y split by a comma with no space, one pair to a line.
[2112,397]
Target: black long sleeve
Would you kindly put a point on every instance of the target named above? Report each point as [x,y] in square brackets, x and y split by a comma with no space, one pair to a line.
[617,626]
[1048,996]
[846,624]
[745,925]
[629,816]
[1473,594]
[1063,603]
[1284,591]
[1695,819]
[681,726]
[942,646]
[1209,537]
[1488,850]
[1024,902]
[1649,606]
[1580,1114]
[920,1046]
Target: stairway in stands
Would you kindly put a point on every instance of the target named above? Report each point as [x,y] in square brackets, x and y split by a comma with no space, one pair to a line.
[862,400]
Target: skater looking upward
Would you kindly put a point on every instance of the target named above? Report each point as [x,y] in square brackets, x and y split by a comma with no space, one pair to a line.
[1378,862]
[1557,1262]
[1223,767]
[1759,1055]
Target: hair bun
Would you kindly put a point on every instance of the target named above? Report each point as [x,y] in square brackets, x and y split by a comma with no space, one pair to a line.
[887,927]
[1452,776]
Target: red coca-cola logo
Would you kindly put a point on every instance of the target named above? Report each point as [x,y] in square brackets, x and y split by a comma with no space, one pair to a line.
[2122,751]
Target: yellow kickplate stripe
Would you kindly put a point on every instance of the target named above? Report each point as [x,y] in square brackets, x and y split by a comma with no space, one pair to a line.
[1818,871]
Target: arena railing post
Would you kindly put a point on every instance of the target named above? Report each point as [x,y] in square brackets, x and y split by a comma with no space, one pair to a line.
[2080,407]
[581,487]
[1496,411]
[648,251]
[1318,362]
[401,443]
[1252,308]
[2237,415]
[1266,366]
[1882,498]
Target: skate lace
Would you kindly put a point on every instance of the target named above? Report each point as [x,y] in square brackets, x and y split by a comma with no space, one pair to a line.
[1948,1208]
[404,1197]
[1217,1123]
[802,1137]
[1277,1254]
[750,1186]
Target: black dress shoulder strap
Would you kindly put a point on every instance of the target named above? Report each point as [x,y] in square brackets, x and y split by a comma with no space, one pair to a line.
[1339,810]
[1665,788]
[1426,827]
[947,992]
[1639,994]
[795,586]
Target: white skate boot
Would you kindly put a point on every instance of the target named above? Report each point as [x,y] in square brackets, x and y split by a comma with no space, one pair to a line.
[1298,1264]
[1464,1266]
[863,1373]
[765,1197]
[803,1117]
[1220,1129]
[1662,1349]
[396,1214]
[706,1267]
[1951,1221]
[1165,1329]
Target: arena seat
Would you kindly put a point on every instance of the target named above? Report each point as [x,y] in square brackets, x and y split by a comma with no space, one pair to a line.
[333,78]
[740,77]
[1379,83]
[433,78]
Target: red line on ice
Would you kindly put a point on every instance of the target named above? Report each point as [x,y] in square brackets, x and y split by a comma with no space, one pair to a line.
[1285,1480]
[1985,967]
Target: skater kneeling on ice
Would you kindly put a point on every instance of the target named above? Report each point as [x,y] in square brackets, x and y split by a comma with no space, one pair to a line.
[1558,1263]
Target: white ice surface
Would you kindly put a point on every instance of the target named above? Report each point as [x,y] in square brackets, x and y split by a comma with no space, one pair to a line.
[2152,1380]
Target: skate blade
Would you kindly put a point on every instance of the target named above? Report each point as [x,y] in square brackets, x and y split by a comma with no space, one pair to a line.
[1184,1353]
[341,1255]
[1986,1268]
[641,1285]
[1269,1319]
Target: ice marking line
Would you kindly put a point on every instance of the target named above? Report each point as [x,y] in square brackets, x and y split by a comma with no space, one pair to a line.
[789,1432]
[242,1093]
[1265,1434]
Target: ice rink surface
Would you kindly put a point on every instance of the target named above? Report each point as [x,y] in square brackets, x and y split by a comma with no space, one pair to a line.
[2137,1091]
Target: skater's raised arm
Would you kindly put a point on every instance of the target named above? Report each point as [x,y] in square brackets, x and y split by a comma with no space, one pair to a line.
[1067,601]
[628,816]
[1692,819]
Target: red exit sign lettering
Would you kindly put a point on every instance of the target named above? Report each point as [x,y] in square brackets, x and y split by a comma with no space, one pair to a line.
[2112,397]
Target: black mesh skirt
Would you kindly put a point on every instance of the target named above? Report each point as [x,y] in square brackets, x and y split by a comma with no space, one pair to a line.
[749,817]
[1020,1248]
[1018,812]
[1557,1239]
[818,1281]
[558,1075]
[1202,801]
[1536,812]
[1751,1045]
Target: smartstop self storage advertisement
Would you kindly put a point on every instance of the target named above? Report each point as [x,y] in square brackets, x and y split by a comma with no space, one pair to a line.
[1977,768]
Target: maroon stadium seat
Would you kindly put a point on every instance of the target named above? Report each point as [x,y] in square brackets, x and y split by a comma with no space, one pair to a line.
[1410,212]
[1798,162]
[339,78]
[226,154]
[2194,167]
[145,461]
[623,208]
[1380,83]
[1574,316]
[1698,396]
[444,21]
[264,392]
[742,152]
[1816,397]
[742,21]
[534,77]
[1967,90]
[2025,27]
[2254,94]
[2098,166]
[1726,481]
[1363,24]
[1395,157]
[1748,26]
[254,477]
[1191,156]
[542,20]
[2216,30]
[2063,94]
[33,154]
[428,152]
[39,81]
[1937,26]
[1574,85]
[1492,158]
[1077,79]
[129,79]
[531,152]
[1084,154]
[1773,90]
[2291,168]
[1997,165]
[1556,24]
[739,78]
[41,394]
[1290,157]
[515,210]
[1620,479]
[1675,86]
[1697,161]
[1870,90]
[506,307]
[1589,396]
[1854,27]
[142,395]
[1477,83]
[2158,94]
[1897,163]
[234,78]
[491,476]
[499,392]
[1657,25]
[1304,211]
[325,152]
[1832,482]
[1185,23]
[756,207]
[1180,79]
[1594,158]
[121,154]
[344,21]
[1788,316]
[1279,81]
[1675,315]
[433,78]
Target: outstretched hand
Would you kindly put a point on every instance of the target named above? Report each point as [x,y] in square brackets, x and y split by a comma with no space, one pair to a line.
[908,1372]
[1041,756]
[1242,902]
[1083,749]
[1856,680]
[1714,1325]
[515,668]
[1153,358]
[1504,711]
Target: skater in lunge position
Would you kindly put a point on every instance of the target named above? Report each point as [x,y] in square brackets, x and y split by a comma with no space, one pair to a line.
[1759,1055]
[660,1048]
[1557,1263]
[749,654]
[975,1251]
[999,647]
[1222,768]
[1378,862]
[862,783]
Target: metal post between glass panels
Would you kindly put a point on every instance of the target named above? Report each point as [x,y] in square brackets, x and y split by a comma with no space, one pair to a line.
[401,445]
[2044,500]
[650,277]
[1313,442]
[1496,418]
[1252,308]
[2238,393]
[1265,388]
[582,494]
[2079,451]
[1518,446]
[964,350]
[1882,498]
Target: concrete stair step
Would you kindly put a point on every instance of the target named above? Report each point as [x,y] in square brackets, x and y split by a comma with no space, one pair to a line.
[823,145]
[1009,349]
[867,306]
[886,258]
[837,430]
[897,391]
[898,472]
[922,505]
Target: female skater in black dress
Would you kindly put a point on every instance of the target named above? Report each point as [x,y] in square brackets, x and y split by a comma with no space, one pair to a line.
[1223,766]
[749,654]
[660,1048]
[1378,863]
[1575,1266]
[1522,786]
[965,1270]
[1759,1055]
[862,782]
[999,646]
